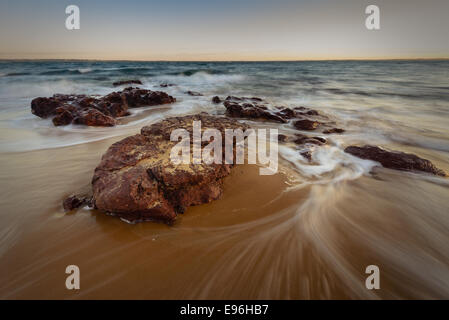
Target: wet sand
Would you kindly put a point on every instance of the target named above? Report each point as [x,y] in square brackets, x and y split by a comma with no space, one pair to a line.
[265,238]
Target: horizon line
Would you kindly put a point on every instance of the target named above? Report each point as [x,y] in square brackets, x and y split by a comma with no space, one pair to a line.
[274,60]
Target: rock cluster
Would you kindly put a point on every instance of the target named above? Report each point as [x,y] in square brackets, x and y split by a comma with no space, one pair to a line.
[136,179]
[94,110]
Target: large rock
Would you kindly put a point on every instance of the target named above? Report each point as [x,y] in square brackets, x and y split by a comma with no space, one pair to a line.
[395,159]
[137,181]
[96,111]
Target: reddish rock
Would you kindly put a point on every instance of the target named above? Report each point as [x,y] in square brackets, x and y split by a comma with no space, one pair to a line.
[100,111]
[63,117]
[333,130]
[137,181]
[93,117]
[136,97]
[395,159]
[306,124]
[44,107]
[120,83]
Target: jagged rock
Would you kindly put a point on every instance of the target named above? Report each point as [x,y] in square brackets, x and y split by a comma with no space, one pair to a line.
[137,181]
[93,117]
[334,130]
[93,110]
[306,124]
[44,107]
[119,83]
[63,117]
[395,159]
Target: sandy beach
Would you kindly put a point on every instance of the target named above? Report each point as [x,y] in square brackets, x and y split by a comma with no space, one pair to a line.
[307,232]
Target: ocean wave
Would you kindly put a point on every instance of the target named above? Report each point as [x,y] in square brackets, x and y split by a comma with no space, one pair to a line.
[132,70]
[14,74]
[84,70]
[437,96]
[192,72]
[330,164]
[46,88]
[61,72]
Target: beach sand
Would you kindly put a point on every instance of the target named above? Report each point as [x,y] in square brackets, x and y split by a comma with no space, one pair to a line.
[265,238]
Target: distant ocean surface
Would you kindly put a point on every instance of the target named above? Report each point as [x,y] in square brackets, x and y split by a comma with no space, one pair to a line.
[396,94]
[308,232]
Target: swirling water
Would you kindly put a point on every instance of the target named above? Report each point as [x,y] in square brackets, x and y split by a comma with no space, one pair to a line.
[307,232]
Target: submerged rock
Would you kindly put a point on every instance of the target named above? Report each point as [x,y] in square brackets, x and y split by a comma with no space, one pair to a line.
[165,85]
[334,130]
[303,139]
[137,181]
[96,111]
[119,83]
[193,93]
[395,159]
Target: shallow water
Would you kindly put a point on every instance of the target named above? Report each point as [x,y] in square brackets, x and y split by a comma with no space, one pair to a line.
[307,232]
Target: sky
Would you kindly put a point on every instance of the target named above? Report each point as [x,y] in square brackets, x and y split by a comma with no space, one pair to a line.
[212,30]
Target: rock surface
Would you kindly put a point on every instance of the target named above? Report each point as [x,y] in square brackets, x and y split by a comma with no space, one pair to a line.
[257,109]
[94,110]
[334,130]
[137,181]
[395,159]
[306,124]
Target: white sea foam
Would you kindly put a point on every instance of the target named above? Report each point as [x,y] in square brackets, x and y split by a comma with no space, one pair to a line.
[329,164]
[85,70]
